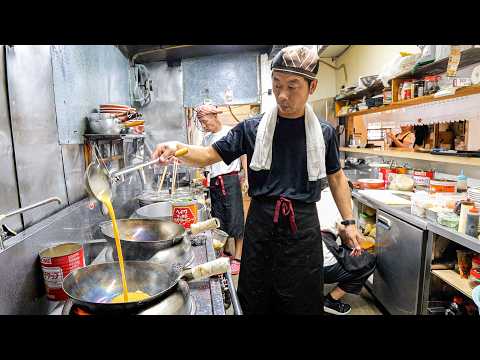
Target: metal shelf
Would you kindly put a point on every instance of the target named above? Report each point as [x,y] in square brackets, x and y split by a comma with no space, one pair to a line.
[462,239]
[455,280]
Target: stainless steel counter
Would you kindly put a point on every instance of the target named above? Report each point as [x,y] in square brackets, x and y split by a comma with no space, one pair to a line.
[22,290]
[403,212]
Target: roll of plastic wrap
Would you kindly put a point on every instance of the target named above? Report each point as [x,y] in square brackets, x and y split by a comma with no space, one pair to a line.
[476,75]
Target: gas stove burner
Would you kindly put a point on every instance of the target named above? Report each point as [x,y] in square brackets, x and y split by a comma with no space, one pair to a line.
[198,240]
[180,302]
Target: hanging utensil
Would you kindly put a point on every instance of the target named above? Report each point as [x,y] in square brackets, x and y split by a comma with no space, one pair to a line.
[94,286]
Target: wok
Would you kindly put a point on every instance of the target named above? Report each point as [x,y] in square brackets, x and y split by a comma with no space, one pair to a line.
[141,239]
[94,286]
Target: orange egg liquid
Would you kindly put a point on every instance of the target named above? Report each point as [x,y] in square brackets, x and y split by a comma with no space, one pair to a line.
[108,203]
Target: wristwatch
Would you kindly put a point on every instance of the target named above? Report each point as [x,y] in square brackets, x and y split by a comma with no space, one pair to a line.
[348,222]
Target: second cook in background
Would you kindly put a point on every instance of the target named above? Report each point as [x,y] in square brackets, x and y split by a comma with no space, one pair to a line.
[225,190]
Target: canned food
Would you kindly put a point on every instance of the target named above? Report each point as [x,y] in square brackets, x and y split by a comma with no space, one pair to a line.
[57,262]
[184,212]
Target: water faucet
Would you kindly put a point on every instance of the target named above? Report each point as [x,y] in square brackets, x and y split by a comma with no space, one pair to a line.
[5,232]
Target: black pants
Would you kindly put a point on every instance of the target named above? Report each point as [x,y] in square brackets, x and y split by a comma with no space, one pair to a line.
[350,282]
[228,207]
[281,272]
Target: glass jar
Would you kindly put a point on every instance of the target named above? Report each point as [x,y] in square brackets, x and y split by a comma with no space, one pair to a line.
[431,84]
[474,278]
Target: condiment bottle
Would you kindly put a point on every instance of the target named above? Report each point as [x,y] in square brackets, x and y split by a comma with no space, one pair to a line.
[472,222]
[461,182]
[465,206]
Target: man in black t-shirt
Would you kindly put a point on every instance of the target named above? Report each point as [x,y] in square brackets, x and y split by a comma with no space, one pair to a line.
[289,151]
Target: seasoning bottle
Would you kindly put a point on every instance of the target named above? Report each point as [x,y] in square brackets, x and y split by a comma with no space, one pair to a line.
[472,222]
[461,182]
[465,206]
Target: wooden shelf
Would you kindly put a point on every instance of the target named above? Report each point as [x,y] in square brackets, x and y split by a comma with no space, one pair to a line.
[455,280]
[375,89]
[466,91]
[466,161]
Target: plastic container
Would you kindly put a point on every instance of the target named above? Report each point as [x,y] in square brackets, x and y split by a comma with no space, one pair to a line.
[449,186]
[420,201]
[448,219]
[473,218]
[432,213]
[474,278]
[462,182]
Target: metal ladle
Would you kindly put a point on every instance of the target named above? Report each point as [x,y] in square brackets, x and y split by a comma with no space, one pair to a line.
[98,180]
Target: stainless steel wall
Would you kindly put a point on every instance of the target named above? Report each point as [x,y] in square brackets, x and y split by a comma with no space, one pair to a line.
[164,116]
[51,89]
[85,76]
[8,181]
[237,72]
[33,120]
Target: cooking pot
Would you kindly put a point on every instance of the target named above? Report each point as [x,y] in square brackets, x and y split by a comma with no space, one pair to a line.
[142,239]
[108,125]
[152,197]
[94,286]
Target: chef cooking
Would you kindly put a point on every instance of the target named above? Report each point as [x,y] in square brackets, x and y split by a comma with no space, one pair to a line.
[289,151]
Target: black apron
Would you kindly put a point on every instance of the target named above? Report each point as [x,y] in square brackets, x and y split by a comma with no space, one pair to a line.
[227,204]
[282,260]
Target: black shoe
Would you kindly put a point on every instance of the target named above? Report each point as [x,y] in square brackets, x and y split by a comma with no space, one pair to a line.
[336,307]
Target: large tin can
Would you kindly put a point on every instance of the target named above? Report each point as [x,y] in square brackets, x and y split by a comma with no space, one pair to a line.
[184,212]
[57,262]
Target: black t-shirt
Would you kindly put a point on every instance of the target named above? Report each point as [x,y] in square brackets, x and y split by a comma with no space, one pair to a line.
[288,175]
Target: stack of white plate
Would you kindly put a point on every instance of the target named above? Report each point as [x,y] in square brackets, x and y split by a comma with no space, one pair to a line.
[474,195]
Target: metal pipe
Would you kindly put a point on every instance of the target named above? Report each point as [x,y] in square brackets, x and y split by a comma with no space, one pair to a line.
[21,210]
[237,309]
[3,234]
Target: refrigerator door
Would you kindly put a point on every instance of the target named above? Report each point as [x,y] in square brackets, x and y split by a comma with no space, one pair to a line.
[400,248]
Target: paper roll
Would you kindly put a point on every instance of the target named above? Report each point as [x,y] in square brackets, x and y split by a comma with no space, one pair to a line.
[215,267]
[462,222]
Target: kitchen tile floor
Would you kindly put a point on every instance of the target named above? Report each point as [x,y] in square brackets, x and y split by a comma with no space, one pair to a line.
[362,304]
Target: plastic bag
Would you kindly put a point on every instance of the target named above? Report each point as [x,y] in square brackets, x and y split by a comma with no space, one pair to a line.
[428,54]
[397,66]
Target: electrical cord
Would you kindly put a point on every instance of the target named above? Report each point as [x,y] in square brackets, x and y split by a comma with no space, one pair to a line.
[231,112]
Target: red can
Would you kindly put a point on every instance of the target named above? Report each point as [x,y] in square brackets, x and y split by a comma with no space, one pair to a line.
[386,177]
[184,212]
[57,262]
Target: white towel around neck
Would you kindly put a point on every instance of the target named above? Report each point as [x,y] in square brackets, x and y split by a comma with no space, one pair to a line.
[262,154]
